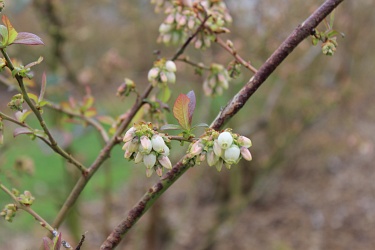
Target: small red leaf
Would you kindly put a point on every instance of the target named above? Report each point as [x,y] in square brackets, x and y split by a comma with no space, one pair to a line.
[192,104]
[28,39]
[181,110]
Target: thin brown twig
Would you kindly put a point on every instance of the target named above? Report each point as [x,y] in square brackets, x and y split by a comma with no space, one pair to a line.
[53,144]
[89,120]
[190,38]
[197,65]
[239,100]
[233,52]
[28,210]
[23,124]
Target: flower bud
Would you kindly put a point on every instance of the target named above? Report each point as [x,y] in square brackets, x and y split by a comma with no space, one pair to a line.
[212,158]
[149,160]
[133,145]
[165,150]
[149,172]
[159,171]
[138,158]
[163,77]
[170,66]
[153,74]
[196,148]
[127,154]
[232,154]
[217,149]
[171,77]
[129,134]
[225,140]
[126,145]
[157,143]
[245,152]
[167,38]
[146,145]
[165,162]
[219,165]
[164,28]
[244,141]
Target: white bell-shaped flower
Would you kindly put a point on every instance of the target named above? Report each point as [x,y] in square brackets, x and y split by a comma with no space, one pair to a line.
[232,154]
[225,140]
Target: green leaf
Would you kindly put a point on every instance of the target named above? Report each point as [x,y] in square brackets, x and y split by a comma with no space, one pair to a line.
[181,111]
[12,33]
[170,127]
[164,94]
[33,97]
[332,33]
[90,112]
[200,125]
[40,133]
[88,101]
[24,115]
[43,103]
[315,41]
[4,35]
[331,19]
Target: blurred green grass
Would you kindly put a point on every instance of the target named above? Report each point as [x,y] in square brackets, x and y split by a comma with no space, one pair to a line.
[51,182]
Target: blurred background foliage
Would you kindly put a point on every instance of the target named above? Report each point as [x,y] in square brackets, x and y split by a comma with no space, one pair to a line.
[310,184]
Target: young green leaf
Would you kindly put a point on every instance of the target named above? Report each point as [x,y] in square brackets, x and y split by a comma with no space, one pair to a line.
[4,35]
[181,111]
[33,97]
[164,94]
[170,127]
[200,125]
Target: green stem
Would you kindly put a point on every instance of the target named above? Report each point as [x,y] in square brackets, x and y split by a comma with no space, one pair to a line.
[53,143]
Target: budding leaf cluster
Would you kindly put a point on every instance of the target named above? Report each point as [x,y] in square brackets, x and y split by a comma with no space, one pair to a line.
[225,148]
[144,144]
[162,73]
[9,212]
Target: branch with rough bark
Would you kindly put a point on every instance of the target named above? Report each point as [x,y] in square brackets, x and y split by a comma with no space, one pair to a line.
[238,101]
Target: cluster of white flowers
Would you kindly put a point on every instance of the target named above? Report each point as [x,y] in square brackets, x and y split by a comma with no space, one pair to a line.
[143,144]
[177,25]
[184,17]
[220,149]
[162,73]
[217,80]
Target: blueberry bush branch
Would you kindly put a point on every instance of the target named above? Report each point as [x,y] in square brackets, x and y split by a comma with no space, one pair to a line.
[298,35]
[24,202]
[38,115]
[91,121]
[105,152]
